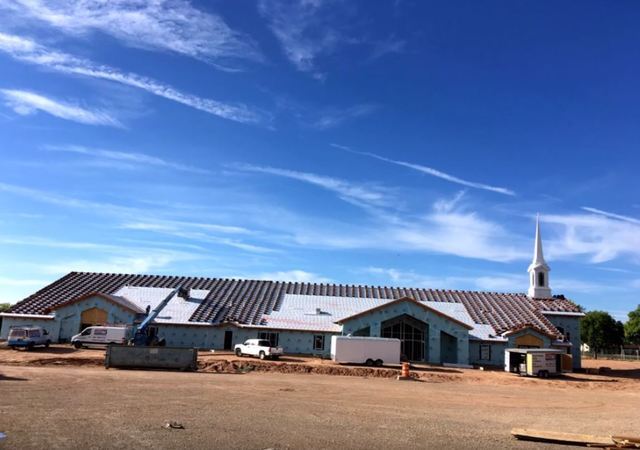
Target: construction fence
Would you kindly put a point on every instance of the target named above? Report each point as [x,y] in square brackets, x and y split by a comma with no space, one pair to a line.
[623,355]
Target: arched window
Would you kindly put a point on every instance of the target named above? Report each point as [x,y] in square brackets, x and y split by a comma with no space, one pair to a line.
[541,279]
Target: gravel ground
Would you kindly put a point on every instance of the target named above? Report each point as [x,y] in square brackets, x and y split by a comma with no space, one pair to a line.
[90,407]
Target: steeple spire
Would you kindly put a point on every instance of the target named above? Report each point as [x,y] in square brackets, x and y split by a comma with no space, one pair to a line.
[538,270]
[538,256]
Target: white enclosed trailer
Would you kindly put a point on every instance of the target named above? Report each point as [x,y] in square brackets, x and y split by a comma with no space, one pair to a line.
[365,350]
[539,362]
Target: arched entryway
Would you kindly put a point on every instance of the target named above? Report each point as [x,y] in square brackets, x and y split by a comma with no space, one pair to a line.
[411,333]
[93,316]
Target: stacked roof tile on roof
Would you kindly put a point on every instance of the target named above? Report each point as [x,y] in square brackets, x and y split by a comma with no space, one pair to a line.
[246,301]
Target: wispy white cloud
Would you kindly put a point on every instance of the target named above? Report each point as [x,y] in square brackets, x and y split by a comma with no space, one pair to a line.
[167,25]
[308,30]
[387,46]
[65,201]
[334,117]
[612,215]
[346,190]
[133,262]
[200,232]
[599,237]
[466,234]
[446,205]
[28,102]
[147,220]
[165,225]
[6,281]
[430,171]
[448,228]
[301,31]
[493,283]
[498,282]
[27,50]
[99,257]
[138,159]
[296,275]
[457,233]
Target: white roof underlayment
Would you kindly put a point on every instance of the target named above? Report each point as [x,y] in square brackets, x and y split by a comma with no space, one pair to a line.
[298,312]
[458,311]
[178,310]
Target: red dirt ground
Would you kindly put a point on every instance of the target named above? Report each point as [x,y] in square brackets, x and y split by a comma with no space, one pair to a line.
[616,375]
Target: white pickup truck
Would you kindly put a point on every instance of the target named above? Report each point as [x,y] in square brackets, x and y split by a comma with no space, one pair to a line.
[258,347]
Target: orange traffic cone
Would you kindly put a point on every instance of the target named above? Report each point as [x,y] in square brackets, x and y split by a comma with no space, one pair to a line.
[404,373]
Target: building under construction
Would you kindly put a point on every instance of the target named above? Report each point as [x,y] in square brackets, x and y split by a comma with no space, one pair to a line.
[435,326]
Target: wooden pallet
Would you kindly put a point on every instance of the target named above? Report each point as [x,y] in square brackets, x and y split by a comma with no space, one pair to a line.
[584,440]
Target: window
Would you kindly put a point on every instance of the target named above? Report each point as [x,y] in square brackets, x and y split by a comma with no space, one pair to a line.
[34,333]
[362,332]
[86,332]
[318,342]
[17,333]
[485,352]
[100,332]
[541,279]
[268,336]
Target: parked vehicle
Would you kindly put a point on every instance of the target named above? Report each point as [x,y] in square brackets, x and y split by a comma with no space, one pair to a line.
[258,347]
[372,351]
[28,337]
[534,362]
[100,336]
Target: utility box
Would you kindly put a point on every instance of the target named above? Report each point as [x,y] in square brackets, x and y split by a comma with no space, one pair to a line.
[365,350]
[540,362]
[171,358]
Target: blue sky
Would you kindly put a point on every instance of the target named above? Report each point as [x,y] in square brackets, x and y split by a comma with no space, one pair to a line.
[395,143]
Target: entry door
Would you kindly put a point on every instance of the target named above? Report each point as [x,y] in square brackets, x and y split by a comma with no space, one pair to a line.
[228,339]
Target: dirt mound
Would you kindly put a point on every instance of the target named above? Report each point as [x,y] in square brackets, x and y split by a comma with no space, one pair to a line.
[62,362]
[236,366]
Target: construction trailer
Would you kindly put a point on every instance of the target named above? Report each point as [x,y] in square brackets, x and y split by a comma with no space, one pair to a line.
[539,362]
[365,350]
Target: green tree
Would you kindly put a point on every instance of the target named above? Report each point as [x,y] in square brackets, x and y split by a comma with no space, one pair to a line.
[600,331]
[632,327]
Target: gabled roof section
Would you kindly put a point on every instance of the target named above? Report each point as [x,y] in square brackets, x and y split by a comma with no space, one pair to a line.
[403,300]
[529,326]
[247,301]
[120,301]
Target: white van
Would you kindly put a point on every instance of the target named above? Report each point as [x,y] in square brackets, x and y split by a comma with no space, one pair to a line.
[100,336]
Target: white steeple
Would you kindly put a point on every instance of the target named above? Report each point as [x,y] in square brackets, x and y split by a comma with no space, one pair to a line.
[538,270]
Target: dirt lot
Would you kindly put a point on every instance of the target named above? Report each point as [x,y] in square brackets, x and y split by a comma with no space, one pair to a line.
[54,405]
[621,375]
[90,407]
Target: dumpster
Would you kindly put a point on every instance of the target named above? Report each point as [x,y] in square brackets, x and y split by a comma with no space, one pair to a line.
[171,358]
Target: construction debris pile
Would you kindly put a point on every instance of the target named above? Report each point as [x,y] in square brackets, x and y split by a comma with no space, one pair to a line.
[239,366]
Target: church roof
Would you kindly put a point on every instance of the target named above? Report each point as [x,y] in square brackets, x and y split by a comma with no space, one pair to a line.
[247,301]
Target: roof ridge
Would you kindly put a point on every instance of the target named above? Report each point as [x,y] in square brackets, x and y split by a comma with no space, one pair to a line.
[306,283]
